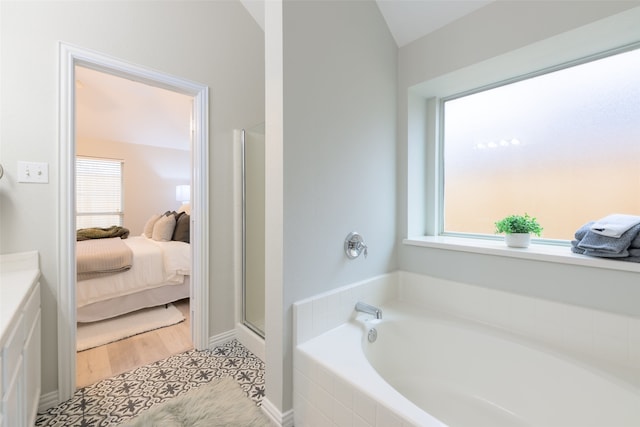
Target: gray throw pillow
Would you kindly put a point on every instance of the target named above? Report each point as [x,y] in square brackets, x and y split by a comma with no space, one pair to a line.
[181,232]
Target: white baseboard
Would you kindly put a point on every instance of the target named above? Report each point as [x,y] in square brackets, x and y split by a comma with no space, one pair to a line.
[222,338]
[274,414]
[252,341]
[48,401]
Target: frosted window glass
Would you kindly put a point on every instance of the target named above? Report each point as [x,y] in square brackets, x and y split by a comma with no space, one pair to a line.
[563,147]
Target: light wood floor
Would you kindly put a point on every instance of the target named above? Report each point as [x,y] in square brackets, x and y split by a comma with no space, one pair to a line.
[121,356]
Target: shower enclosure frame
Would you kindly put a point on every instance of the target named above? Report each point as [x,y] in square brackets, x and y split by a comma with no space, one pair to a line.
[243,169]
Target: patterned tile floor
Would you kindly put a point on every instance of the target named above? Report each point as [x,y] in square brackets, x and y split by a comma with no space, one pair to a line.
[115,400]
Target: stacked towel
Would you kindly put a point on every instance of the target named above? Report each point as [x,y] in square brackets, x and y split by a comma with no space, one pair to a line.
[615,225]
[593,242]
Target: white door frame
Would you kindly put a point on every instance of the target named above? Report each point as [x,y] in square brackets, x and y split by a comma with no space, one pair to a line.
[69,57]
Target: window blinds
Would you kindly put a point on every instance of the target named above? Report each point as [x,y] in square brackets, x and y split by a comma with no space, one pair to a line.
[98,192]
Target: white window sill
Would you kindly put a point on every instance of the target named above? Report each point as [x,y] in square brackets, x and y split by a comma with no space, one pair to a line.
[536,252]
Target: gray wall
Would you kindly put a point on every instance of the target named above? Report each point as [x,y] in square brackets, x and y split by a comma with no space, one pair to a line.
[339,148]
[494,39]
[214,43]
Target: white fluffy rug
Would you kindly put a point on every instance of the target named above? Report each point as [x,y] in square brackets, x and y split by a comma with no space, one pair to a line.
[94,334]
[216,404]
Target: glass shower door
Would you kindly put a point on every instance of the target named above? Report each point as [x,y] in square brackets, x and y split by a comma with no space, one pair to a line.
[253,160]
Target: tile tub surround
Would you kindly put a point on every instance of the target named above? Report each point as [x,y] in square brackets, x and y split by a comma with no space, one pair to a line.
[321,313]
[609,341]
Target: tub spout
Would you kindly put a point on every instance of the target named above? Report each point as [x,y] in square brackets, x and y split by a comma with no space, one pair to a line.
[367,308]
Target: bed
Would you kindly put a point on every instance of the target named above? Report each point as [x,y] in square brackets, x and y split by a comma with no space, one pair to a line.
[153,271]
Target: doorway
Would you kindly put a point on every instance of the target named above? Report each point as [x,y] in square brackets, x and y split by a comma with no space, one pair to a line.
[133,158]
[70,57]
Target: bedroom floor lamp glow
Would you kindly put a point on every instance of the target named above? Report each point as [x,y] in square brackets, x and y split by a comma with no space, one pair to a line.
[183,193]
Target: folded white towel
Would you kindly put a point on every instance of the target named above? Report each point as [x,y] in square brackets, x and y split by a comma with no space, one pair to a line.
[614,225]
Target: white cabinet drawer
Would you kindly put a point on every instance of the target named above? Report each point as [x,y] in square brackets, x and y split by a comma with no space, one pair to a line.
[31,371]
[12,410]
[31,309]
[11,352]
[20,336]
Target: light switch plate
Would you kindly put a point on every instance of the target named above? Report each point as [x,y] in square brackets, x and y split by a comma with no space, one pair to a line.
[37,172]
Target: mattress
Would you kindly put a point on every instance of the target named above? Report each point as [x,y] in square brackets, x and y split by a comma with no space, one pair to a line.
[155,264]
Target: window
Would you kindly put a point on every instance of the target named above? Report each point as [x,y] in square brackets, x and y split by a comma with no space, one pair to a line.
[563,146]
[98,192]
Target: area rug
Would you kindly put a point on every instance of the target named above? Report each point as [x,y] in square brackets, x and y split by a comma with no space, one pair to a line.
[218,403]
[94,334]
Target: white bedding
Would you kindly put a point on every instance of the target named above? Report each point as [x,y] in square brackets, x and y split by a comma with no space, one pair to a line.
[154,264]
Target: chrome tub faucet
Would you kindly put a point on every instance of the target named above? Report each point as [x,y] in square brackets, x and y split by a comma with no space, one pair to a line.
[367,308]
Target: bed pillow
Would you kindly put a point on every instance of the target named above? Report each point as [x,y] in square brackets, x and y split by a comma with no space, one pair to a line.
[148,227]
[186,208]
[163,228]
[181,232]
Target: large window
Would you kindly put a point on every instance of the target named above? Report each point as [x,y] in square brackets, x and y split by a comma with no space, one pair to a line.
[563,146]
[98,192]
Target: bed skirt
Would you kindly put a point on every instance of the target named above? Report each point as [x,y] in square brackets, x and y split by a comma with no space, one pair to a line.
[127,303]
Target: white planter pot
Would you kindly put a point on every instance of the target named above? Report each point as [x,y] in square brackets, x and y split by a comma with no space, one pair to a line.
[517,240]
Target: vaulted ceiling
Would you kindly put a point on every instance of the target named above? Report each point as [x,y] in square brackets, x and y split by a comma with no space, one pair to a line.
[408,20]
[110,108]
[115,109]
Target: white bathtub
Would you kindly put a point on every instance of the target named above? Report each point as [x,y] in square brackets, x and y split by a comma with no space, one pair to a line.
[428,369]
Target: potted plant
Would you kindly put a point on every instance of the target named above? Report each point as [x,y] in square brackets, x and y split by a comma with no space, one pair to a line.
[518,229]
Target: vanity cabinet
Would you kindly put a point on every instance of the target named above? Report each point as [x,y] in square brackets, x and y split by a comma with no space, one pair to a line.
[19,340]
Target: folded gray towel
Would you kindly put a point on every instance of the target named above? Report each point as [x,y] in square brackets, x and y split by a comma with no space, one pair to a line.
[599,245]
[582,231]
[575,249]
[609,245]
[632,255]
[602,254]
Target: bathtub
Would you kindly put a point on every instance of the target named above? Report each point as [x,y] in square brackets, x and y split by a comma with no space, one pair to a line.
[432,369]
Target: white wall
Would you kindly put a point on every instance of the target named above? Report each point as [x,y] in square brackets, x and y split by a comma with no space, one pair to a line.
[214,43]
[339,156]
[150,176]
[497,39]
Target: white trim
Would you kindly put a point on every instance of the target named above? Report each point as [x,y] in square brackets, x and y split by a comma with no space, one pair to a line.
[535,252]
[66,226]
[220,339]
[252,341]
[69,57]
[48,401]
[278,381]
[200,220]
[281,419]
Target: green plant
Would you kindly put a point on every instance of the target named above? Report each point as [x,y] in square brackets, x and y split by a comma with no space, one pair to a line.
[518,224]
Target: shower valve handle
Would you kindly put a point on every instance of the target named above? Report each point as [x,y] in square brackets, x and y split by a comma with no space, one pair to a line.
[354,246]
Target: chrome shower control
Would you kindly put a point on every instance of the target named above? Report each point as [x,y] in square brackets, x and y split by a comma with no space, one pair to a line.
[354,245]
